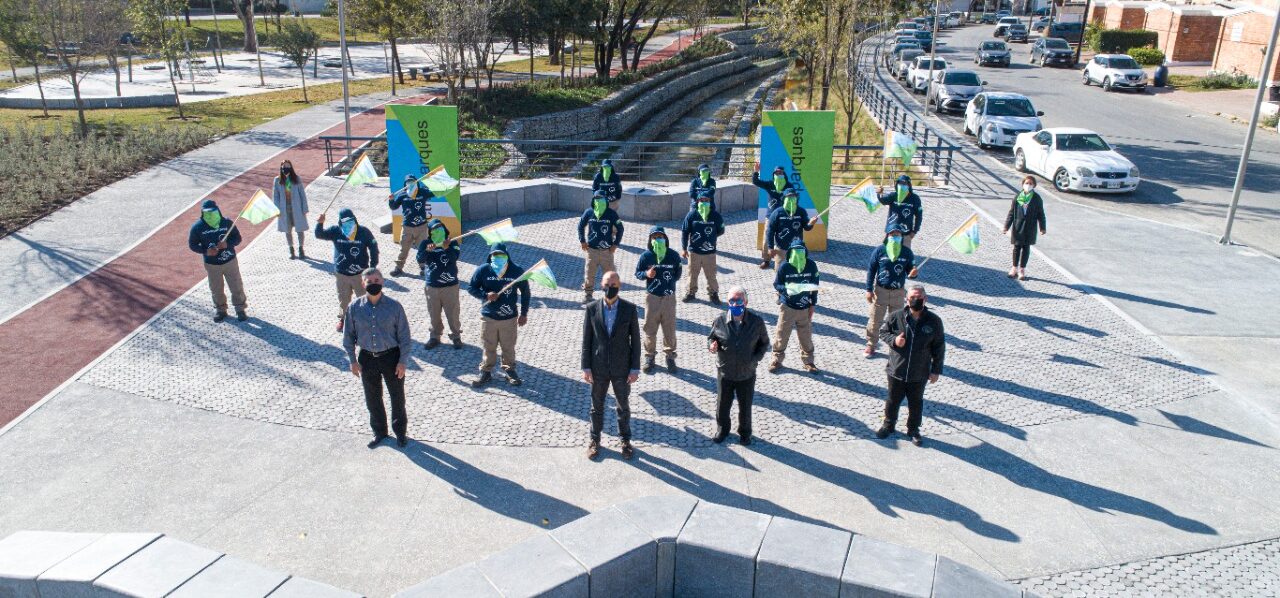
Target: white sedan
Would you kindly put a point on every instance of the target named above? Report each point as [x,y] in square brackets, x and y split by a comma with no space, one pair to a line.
[1075,160]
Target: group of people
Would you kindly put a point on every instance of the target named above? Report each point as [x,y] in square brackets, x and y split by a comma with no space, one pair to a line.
[376,333]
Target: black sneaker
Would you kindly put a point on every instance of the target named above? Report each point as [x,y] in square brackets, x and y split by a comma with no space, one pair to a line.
[715,298]
[402,441]
[292,255]
[457,342]
[884,431]
[765,264]
[719,437]
[744,440]
[219,316]
[302,255]
[689,298]
[397,272]
[484,379]
[512,377]
[671,364]
[431,344]
[914,435]
[648,365]
[241,316]
[376,441]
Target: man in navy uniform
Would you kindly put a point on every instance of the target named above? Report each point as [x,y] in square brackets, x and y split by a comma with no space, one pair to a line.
[500,315]
[216,239]
[354,250]
[659,269]
[414,203]
[438,258]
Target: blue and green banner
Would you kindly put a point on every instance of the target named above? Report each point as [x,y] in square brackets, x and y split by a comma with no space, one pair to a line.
[421,139]
[801,142]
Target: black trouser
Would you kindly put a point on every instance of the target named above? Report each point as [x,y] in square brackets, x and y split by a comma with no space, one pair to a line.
[621,394]
[727,390]
[914,393]
[1021,253]
[374,370]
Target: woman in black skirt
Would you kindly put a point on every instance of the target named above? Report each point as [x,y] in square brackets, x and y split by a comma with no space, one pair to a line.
[1025,219]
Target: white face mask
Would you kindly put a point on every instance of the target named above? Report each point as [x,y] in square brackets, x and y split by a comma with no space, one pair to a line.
[1028,188]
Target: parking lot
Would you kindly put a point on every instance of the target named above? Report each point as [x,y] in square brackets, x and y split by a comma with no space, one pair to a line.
[1187,159]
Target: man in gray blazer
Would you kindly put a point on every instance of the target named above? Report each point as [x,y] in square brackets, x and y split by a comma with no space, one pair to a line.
[610,356]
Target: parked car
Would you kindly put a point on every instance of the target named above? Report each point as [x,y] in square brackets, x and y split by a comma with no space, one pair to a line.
[997,118]
[923,22]
[992,52]
[897,48]
[1072,32]
[1075,160]
[988,18]
[912,25]
[904,61]
[918,74]
[1040,24]
[1008,20]
[954,19]
[925,39]
[1114,71]
[953,88]
[1016,32]
[1052,51]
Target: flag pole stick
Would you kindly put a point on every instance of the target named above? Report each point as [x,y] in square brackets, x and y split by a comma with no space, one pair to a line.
[335,196]
[233,225]
[944,241]
[521,277]
[472,232]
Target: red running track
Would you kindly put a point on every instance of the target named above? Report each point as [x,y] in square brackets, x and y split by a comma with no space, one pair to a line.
[51,341]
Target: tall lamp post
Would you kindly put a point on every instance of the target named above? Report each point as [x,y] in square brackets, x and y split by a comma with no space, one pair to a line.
[1270,50]
[342,58]
[933,54]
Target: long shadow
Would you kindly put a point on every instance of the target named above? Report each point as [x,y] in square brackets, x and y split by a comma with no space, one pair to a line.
[498,494]
[888,497]
[295,346]
[1077,404]
[1123,296]
[1190,424]
[1029,475]
[1040,323]
[1173,364]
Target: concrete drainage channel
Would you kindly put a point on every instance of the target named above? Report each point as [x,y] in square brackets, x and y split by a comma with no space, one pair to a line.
[653,546]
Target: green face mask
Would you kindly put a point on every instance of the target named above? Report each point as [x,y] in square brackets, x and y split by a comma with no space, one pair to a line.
[438,236]
[608,171]
[789,204]
[779,182]
[213,219]
[1024,197]
[705,175]
[598,206]
[902,193]
[798,259]
[893,247]
[704,210]
[659,248]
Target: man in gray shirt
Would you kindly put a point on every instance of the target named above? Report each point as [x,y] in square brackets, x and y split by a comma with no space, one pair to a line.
[379,326]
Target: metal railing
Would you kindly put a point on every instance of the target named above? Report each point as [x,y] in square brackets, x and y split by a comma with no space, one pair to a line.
[658,161]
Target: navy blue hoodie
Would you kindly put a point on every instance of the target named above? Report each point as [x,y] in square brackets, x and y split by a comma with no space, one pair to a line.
[439,265]
[696,189]
[664,283]
[787,274]
[611,187]
[485,281]
[600,233]
[350,256]
[784,227]
[905,216]
[775,196]
[699,236]
[413,209]
[202,237]
[887,273]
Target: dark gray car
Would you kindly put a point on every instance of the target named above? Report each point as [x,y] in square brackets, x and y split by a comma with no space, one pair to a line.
[1053,51]
[993,53]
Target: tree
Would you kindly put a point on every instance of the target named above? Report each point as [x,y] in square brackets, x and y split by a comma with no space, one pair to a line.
[105,37]
[613,27]
[151,24]
[390,19]
[244,12]
[297,42]
[21,33]
[447,42]
[70,26]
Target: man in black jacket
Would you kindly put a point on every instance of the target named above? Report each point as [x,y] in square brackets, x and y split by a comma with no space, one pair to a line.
[610,357]
[739,340]
[917,346]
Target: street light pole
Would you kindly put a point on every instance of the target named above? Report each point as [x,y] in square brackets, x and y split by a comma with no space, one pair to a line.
[342,58]
[1084,23]
[933,54]
[1270,50]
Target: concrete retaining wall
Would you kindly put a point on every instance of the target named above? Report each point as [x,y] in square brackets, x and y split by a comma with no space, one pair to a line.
[641,202]
[152,101]
[680,546]
[64,565]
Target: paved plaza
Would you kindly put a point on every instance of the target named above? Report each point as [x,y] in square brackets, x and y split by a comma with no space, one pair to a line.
[1019,354]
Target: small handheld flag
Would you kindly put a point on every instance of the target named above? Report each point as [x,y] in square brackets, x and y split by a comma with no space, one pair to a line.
[866,191]
[260,208]
[965,238]
[899,145]
[541,273]
[498,232]
[439,181]
[362,172]
[795,288]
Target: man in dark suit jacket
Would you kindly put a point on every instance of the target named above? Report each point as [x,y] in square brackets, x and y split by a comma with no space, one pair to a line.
[610,356]
[739,340]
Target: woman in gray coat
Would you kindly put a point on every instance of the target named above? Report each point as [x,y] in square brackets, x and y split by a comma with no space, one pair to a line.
[290,196]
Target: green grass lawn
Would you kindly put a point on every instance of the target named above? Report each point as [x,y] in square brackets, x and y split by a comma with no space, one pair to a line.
[1216,83]
[232,33]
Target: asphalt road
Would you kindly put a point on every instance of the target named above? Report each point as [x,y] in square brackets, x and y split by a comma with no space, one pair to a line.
[1188,160]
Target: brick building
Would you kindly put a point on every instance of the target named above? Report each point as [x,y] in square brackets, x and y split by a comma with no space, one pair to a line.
[1188,33]
[1125,14]
[1242,39]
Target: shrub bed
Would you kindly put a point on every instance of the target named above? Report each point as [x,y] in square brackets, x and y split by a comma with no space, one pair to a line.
[1108,41]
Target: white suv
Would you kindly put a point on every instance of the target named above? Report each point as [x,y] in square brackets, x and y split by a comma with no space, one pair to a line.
[1115,71]
[998,118]
[918,74]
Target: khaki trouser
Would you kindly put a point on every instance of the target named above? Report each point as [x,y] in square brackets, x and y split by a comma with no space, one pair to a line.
[222,276]
[410,237]
[884,302]
[779,259]
[802,321]
[659,312]
[596,258]
[705,263]
[494,334]
[444,299]
[906,239]
[348,285]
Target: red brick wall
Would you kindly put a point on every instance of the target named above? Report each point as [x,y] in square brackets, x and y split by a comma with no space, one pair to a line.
[1161,21]
[1114,16]
[1098,14]
[1133,18]
[1199,40]
[1244,55]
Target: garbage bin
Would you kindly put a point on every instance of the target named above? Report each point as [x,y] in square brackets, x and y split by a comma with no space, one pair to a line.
[1273,94]
[1161,76]
[413,73]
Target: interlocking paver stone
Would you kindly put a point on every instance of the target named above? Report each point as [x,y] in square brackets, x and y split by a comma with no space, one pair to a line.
[1019,354]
